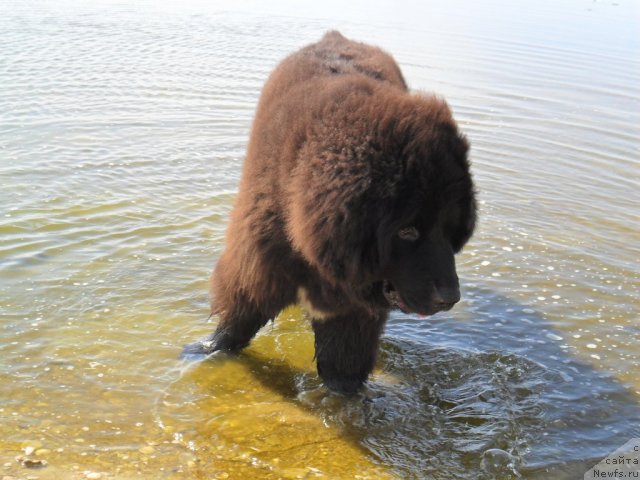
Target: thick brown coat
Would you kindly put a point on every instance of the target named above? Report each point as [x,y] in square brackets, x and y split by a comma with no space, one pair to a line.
[354,196]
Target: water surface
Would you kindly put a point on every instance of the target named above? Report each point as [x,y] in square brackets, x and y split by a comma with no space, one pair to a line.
[122,134]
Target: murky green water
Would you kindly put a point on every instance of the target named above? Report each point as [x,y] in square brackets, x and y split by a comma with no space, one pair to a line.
[122,132]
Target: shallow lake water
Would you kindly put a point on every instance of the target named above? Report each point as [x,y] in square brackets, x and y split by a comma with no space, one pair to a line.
[122,134]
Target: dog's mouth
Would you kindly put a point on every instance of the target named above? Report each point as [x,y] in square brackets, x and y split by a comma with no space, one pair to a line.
[396,302]
[393,297]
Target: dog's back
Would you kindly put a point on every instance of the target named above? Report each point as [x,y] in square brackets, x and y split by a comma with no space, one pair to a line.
[334,55]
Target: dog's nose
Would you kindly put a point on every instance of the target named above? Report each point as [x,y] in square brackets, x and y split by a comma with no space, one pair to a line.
[444,307]
[446,297]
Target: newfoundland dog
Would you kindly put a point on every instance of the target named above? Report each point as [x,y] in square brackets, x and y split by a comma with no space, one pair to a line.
[355,195]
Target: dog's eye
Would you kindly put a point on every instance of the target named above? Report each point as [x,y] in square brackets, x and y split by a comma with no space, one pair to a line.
[409,233]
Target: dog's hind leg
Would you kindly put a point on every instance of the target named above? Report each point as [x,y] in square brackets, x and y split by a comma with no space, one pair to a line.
[346,349]
[235,329]
[240,315]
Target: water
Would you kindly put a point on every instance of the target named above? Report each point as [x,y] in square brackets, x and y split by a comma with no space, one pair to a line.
[122,133]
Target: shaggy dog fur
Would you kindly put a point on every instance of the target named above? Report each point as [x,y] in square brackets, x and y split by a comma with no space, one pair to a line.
[354,197]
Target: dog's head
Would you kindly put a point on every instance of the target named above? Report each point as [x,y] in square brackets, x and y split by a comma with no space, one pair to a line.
[432,215]
[387,201]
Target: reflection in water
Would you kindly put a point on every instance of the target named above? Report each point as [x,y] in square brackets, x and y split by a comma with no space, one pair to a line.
[122,132]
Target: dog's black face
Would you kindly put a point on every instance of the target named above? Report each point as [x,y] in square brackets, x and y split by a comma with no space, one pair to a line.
[422,276]
[420,239]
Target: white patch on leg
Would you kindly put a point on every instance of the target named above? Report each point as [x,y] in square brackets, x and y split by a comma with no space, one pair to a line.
[307,306]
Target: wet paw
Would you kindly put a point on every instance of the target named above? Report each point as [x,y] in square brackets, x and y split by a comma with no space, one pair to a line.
[198,350]
[343,384]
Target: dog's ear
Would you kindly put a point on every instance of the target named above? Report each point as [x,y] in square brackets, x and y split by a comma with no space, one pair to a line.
[466,223]
[332,216]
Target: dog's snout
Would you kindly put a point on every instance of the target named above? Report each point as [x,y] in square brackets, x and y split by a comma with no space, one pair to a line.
[446,297]
[444,307]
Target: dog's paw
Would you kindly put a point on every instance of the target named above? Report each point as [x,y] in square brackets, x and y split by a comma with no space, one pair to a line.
[198,350]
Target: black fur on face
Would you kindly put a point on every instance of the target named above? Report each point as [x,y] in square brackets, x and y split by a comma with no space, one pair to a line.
[432,218]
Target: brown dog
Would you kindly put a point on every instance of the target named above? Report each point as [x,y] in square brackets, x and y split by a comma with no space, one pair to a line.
[354,197]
